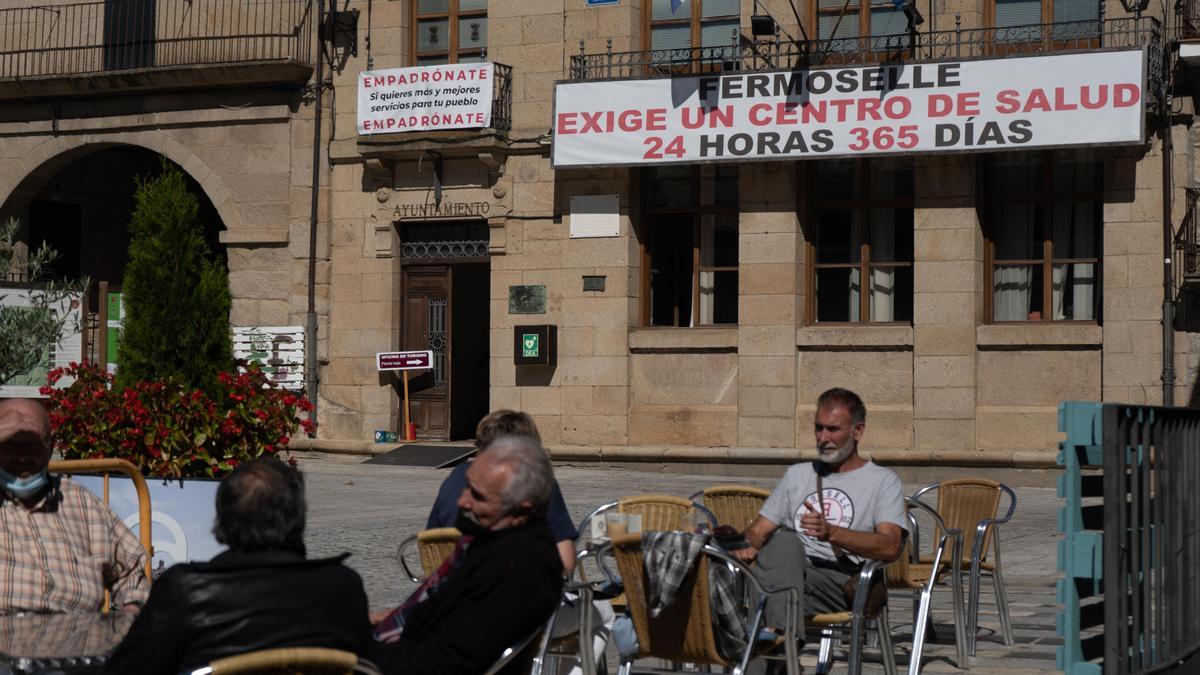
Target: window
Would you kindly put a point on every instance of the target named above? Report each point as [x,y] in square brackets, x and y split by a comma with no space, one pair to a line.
[1008,13]
[846,20]
[861,238]
[694,23]
[690,246]
[1070,23]
[1045,220]
[449,31]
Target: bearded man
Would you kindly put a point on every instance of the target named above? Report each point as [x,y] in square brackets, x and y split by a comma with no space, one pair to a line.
[826,518]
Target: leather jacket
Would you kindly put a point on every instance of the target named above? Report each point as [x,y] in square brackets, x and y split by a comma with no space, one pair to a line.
[240,602]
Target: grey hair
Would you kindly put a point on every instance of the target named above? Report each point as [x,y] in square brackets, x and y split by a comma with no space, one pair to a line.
[531,477]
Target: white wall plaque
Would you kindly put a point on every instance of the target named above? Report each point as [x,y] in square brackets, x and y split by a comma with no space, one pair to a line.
[595,216]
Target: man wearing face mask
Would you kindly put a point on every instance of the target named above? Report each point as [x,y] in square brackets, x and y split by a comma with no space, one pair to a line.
[60,546]
[501,583]
[825,518]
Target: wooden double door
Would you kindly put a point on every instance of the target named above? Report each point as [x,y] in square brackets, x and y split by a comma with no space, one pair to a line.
[446,310]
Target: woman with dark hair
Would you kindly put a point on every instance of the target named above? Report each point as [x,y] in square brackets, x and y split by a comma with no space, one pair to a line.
[260,594]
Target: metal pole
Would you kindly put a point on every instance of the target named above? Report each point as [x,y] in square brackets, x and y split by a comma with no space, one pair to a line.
[310,329]
[1168,310]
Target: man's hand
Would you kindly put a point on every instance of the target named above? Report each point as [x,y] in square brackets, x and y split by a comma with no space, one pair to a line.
[746,555]
[377,617]
[814,523]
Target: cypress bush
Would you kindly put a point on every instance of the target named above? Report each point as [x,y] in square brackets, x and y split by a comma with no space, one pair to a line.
[176,292]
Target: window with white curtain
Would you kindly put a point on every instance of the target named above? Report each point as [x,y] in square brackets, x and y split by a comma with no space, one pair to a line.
[1026,12]
[449,31]
[1045,219]
[693,23]
[861,237]
[848,19]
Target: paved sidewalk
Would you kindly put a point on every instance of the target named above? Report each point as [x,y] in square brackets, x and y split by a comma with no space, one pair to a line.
[367,509]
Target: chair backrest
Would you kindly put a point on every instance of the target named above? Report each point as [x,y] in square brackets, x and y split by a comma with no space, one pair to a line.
[735,505]
[521,655]
[289,661]
[664,513]
[683,632]
[964,502]
[435,545]
[898,574]
[113,465]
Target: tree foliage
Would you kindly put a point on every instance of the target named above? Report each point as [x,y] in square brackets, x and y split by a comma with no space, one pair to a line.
[176,293]
[29,330]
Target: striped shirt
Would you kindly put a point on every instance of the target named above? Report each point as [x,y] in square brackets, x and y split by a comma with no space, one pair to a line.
[64,552]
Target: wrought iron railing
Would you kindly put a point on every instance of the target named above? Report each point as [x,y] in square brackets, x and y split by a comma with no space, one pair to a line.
[958,44]
[1187,241]
[502,98]
[1130,594]
[1188,12]
[116,35]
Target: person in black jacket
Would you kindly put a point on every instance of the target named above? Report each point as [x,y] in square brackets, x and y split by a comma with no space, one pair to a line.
[503,582]
[260,594]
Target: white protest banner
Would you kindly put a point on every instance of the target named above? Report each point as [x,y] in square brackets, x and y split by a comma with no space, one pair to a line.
[1090,99]
[425,98]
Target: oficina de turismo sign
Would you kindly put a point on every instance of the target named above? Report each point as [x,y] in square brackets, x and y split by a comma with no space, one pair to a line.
[981,105]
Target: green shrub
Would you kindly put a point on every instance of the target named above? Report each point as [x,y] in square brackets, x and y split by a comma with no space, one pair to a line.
[176,294]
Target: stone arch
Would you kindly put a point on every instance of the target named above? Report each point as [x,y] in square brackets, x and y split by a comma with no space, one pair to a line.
[55,153]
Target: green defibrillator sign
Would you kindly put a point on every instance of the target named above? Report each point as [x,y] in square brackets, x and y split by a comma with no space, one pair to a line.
[535,345]
[530,345]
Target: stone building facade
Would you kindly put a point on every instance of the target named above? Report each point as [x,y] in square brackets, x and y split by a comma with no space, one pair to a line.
[428,239]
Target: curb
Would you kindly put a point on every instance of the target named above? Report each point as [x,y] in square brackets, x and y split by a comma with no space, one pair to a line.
[1007,459]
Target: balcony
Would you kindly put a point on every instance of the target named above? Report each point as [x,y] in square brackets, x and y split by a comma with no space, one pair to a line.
[959,44]
[123,45]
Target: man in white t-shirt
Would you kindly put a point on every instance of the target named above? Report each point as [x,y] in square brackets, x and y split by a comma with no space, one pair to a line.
[816,543]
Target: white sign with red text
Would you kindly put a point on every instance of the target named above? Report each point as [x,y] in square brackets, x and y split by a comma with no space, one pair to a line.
[1012,103]
[425,98]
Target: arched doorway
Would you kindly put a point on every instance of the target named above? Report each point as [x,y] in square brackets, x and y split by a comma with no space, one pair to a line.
[81,203]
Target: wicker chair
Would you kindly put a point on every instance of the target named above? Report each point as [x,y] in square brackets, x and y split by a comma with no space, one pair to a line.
[291,661]
[851,626]
[683,632]
[971,506]
[733,505]
[433,547]
[664,513]
[909,573]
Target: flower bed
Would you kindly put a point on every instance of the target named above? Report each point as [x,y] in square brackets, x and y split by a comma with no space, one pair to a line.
[169,430]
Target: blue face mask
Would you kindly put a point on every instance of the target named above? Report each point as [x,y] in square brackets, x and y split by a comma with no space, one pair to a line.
[23,488]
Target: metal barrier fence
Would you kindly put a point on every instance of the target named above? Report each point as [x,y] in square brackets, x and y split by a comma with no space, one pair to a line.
[114,35]
[957,44]
[1131,559]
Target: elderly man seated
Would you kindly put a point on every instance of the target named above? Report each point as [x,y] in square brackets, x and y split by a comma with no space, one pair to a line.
[503,580]
[260,594]
[61,548]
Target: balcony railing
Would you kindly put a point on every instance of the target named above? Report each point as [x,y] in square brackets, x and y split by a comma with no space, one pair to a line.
[1189,19]
[1187,242]
[121,35]
[957,44]
[502,98]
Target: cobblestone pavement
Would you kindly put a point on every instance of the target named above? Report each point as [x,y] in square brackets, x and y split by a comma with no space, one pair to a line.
[367,509]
